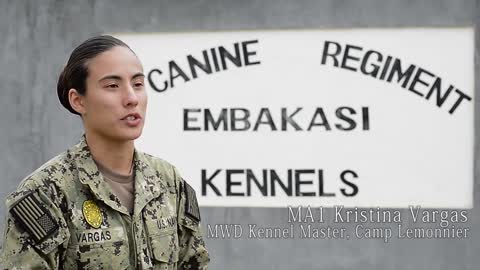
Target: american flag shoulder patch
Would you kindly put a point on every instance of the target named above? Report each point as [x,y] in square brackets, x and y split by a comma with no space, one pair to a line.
[34,217]
[191,205]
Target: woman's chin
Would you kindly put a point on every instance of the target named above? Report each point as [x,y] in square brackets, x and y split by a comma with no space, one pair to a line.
[126,135]
[133,135]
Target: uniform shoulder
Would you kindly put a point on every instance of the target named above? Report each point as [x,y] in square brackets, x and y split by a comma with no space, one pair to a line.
[153,160]
[47,178]
[161,168]
[36,211]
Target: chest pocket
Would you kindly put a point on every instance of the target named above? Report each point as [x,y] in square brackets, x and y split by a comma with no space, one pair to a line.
[97,249]
[164,250]
[161,223]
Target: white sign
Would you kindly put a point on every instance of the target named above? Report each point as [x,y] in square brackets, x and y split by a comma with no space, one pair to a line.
[359,118]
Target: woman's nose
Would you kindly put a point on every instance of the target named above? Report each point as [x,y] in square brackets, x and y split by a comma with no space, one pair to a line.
[131,98]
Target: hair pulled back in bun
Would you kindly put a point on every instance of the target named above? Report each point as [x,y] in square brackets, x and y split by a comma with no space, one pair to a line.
[75,73]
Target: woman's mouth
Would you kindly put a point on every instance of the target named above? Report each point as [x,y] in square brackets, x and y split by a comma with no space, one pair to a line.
[132,120]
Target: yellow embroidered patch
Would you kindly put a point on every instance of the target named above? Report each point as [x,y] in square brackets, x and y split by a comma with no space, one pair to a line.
[92,214]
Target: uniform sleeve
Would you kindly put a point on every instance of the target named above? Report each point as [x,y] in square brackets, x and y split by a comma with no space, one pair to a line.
[193,253]
[34,232]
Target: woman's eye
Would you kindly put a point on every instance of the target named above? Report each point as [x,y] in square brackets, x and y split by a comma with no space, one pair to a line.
[112,86]
[138,84]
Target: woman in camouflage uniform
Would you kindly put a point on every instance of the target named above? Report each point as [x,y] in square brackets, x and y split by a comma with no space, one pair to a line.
[103,204]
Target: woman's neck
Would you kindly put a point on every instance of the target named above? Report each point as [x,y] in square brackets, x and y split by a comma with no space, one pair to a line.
[115,155]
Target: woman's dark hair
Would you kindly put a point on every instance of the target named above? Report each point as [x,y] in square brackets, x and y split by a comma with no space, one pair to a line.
[75,73]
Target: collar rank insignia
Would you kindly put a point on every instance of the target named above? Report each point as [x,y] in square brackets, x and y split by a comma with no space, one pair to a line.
[33,216]
[191,205]
[92,214]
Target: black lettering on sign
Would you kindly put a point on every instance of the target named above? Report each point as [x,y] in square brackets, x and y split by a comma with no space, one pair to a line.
[175,72]
[208,182]
[230,182]
[236,119]
[152,82]
[269,182]
[349,183]
[299,182]
[321,186]
[288,119]
[323,120]
[209,120]
[327,52]
[188,119]
[369,68]
[265,119]
[342,114]
[194,64]
[239,54]
[417,80]
[349,55]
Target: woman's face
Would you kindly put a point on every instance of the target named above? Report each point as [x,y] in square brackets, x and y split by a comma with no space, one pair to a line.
[115,101]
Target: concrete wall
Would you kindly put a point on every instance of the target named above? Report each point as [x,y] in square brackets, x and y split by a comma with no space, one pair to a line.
[36,38]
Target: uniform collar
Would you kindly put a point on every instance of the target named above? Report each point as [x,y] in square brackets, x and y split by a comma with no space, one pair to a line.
[147,184]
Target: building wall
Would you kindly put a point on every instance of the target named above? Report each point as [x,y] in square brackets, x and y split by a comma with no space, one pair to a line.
[36,37]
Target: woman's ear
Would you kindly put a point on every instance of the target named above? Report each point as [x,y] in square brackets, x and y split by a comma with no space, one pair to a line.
[76,101]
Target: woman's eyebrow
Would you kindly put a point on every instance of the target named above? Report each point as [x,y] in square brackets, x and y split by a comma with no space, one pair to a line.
[139,74]
[110,77]
[116,77]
